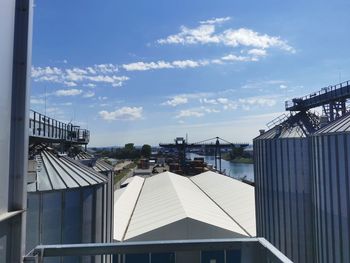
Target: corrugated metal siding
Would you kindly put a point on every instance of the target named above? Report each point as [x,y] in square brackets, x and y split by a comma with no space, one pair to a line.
[283,194]
[69,203]
[331,158]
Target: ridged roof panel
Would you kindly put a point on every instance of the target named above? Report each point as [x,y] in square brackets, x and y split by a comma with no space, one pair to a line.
[340,125]
[61,172]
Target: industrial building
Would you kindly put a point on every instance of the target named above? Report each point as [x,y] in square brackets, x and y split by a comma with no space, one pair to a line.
[301,176]
[168,206]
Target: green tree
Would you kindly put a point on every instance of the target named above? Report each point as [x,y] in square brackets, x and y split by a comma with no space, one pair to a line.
[129,147]
[146,151]
[236,152]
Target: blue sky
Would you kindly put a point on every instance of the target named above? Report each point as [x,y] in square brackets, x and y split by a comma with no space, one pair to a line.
[150,71]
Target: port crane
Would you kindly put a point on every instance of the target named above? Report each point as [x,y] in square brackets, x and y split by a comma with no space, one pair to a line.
[215,144]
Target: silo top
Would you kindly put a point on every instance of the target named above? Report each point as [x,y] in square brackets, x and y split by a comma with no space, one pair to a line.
[282,131]
[338,126]
[56,172]
[98,165]
[102,166]
[83,156]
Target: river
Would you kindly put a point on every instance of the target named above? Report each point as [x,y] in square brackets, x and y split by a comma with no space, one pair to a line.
[235,170]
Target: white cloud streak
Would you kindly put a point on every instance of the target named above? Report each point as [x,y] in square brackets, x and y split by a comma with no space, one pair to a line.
[206,33]
[89,94]
[104,74]
[68,92]
[175,101]
[218,20]
[181,64]
[189,113]
[124,113]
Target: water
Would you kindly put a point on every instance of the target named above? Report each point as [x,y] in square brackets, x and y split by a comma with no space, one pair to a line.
[236,170]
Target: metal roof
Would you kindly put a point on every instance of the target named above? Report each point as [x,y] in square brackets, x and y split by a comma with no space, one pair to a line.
[285,132]
[56,172]
[83,156]
[167,199]
[98,165]
[126,203]
[340,125]
[101,166]
[233,196]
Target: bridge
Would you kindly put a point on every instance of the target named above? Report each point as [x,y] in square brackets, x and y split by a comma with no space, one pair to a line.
[181,145]
[332,99]
[45,129]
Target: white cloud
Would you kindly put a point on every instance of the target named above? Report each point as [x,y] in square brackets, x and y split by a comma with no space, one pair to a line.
[282,86]
[40,71]
[232,57]
[37,101]
[68,92]
[206,33]
[124,113]
[90,85]
[249,38]
[182,64]
[257,101]
[257,52]
[189,113]
[216,20]
[175,101]
[188,63]
[203,34]
[89,94]
[86,76]
[142,66]
[223,100]
[208,101]
[70,83]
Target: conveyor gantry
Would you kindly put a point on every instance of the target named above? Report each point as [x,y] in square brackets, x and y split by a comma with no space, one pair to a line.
[331,98]
[45,129]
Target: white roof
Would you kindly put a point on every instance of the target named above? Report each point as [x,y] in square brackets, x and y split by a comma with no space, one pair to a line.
[233,196]
[125,204]
[169,205]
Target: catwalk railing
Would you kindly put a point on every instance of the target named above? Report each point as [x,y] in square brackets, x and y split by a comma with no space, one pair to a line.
[244,250]
[325,95]
[42,127]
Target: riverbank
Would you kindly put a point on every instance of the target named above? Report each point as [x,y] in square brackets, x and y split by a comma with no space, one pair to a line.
[245,160]
[236,170]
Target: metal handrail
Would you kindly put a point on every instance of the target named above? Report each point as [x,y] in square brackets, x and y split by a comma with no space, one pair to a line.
[324,90]
[42,126]
[256,249]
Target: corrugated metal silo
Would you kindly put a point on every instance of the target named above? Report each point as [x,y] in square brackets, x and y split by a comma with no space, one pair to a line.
[283,190]
[67,203]
[100,166]
[330,165]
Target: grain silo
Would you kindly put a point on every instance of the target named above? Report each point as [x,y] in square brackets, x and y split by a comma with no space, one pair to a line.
[283,188]
[330,165]
[66,203]
[100,166]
